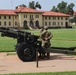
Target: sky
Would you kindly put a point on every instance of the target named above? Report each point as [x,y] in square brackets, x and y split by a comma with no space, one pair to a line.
[46,4]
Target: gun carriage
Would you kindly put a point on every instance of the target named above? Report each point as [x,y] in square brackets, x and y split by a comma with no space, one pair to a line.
[28,43]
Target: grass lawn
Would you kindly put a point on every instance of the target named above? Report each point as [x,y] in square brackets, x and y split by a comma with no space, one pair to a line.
[7,44]
[50,73]
[61,38]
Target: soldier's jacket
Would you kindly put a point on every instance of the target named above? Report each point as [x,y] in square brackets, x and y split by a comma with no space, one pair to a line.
[45,34]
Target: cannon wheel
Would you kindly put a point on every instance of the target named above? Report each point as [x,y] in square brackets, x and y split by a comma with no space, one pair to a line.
[26,52]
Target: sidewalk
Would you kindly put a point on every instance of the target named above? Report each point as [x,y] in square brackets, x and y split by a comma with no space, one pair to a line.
[10,63]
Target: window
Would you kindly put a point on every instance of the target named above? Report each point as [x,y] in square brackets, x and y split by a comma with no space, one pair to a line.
[54,23]
[0,23]
[58,18]
[4,23]
[9,17]
[31,16]
[25,16]
[54,18]
[9,23]
[45,18]
[49,18]
[15,17]
[49,23]
[0,17]
[4,17]
[61,18]
[15,23]
[37,16]
[61,23]
[66,18]
[45,23]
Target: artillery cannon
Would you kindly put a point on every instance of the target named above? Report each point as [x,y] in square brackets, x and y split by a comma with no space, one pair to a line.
[28,43]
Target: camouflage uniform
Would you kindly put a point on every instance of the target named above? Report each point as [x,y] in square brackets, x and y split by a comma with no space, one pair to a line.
[45,36]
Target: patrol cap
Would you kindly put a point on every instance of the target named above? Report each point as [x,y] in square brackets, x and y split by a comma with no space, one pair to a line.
[46,27]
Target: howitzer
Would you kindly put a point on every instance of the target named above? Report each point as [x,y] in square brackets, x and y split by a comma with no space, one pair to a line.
[28,43]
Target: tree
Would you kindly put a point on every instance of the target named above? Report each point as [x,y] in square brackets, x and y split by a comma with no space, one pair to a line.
[54,9]
[74,19]
[70,9]
[38,5]
[63,7]
[34,5]
[22,5]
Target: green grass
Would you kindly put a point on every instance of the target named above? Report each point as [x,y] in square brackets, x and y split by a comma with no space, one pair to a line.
[64,37]
[50,73]
[7,44]
[64,34]
[61,38]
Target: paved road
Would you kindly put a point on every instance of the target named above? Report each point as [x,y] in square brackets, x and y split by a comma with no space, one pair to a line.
[10,63]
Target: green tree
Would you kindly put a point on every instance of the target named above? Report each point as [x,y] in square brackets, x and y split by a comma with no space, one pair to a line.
[38,5]
[22,5]
[34,5]
[63,7]
[54,9]
[74,19]
[70,9]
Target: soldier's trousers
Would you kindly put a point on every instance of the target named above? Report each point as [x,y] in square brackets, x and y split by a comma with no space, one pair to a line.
[46,44]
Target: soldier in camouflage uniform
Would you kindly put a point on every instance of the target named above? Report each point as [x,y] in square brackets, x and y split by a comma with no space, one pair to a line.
[45,36]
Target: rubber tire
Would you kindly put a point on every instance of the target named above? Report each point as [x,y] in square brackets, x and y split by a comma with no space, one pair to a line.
[22,56]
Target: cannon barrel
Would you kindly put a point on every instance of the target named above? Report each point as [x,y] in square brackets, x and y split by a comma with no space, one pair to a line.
[21,36]
[14,33]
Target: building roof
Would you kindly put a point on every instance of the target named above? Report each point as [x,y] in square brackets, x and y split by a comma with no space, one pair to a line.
[7,12]
[25,9]
[50,13]
[29,10]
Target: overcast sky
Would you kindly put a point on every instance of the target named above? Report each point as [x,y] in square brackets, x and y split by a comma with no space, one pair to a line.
[46,4]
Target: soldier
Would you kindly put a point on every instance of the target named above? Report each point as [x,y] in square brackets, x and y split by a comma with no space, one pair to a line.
[45,36]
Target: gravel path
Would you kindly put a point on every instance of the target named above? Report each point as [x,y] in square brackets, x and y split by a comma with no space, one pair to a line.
[10,63]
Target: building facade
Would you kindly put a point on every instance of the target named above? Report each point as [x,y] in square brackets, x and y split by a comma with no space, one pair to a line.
[26,17]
